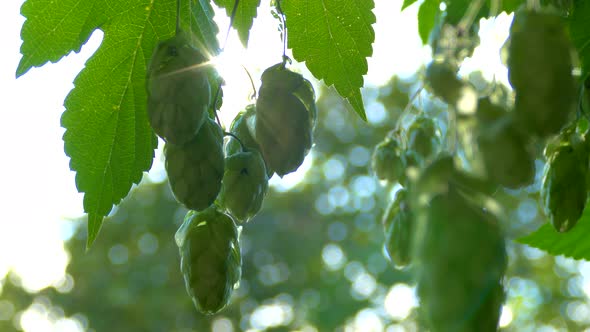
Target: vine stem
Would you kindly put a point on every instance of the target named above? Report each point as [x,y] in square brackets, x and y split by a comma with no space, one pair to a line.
[470,15]
[251,80]
[408,107]
[242,146]
[280,10]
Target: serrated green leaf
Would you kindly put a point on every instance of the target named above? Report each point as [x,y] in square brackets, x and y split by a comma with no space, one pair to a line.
[245,14]
[573,244]
[334,38]
[579,26]
[197,16]
[408,3]
[108,137]
[54,29]
[427,18]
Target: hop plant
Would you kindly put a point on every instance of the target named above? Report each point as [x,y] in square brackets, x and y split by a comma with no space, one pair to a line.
[210,258]
[242,128]
[423,138]
[178,89]
[540,71]
[195,169]
[461,259]
[563,191]
[442,81]
[398,224]
[285,118]
[507,160]
[387,162]
[245,184]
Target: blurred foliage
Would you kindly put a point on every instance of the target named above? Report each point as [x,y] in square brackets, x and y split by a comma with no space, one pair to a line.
[313,258]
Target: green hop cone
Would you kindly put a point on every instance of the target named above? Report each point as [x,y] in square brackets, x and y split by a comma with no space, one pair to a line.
[195,170]
[245,184]
[563,191]
[178,89]
[210,258]
[387,162]
[506,158]
[460,258]
[285,119]
[442,81]
[423,138]
[241,127]
[397,223]
[540,71]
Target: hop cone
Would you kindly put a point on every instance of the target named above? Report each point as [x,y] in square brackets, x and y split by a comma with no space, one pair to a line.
[195,170]
[285,118]
[210,258]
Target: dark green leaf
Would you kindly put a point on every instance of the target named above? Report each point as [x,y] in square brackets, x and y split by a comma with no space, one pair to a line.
[427,18]
[197,16]
[334,38]
[580,33]
[408,3]
[107,136]
[573,243]
[245,14]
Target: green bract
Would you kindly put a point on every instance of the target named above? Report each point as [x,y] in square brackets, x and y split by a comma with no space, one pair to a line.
[387,162]
[244,185]
[195,169]
[285,118]
[442,80]
[540,71]
[460,258]
[242,127]
[210,258]
[397,222]
[178,89]
[423,138]
[564,183]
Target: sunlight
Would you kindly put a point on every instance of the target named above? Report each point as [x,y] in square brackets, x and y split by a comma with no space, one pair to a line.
[506,316]
[400,300]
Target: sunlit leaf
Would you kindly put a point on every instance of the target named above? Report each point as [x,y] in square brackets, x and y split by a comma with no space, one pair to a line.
[107,136]
[427,18]
[334,38]
[245,14]
[573,244]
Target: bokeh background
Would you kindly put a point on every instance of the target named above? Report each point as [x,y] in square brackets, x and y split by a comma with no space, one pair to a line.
[313,257]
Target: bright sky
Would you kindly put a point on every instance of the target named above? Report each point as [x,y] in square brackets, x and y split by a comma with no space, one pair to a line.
[38,189]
